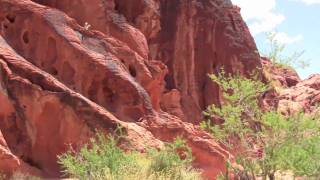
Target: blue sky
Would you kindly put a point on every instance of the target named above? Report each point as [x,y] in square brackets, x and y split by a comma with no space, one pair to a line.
[297,23]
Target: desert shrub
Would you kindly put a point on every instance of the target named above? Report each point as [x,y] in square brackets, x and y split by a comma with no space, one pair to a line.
[170,160]
[103,159]
[240,108]
[102,156]
[267,142]
[276,54]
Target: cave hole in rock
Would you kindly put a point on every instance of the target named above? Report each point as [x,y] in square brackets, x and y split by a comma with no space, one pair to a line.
[116,6]
[132,71]
[31,162]
[169,82]
[53,71]
[11,18]
[25,37]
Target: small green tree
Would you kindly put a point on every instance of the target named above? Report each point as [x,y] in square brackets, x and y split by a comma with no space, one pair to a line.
[240,109]
[266,142]
[276,51]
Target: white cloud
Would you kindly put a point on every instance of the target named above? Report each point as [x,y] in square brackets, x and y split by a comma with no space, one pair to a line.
[260,15]
[284,38]
[310,2]
[267,24]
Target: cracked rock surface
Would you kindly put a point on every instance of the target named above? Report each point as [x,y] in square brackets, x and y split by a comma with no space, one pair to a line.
[70,67]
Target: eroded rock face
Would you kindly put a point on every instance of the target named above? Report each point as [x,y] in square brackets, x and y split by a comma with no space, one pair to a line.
[41,118]
[304,96]
[47,117]
[88,62]
[278,75]
[199,37]
[69,67]
[102,15]
[290,93]
[193,38]
[8,162]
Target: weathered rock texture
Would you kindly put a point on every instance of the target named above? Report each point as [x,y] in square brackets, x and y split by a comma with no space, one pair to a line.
[70,67]
[290,93]
[192,38]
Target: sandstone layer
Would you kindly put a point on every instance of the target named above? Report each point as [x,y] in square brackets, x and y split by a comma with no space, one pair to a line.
[192,38]
[70,68]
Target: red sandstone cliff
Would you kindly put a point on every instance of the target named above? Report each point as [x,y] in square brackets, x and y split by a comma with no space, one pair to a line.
[192,38]
[142,64]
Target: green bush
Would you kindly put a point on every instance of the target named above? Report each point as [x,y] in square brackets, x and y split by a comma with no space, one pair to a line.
[174,155]
[240,109]
[267,142]
[104,160]
[276,51]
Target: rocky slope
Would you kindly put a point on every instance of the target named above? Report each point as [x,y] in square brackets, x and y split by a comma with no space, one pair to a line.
[70,67]
[290,94]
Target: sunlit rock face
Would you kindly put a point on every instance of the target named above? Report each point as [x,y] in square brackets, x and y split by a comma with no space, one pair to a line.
[192,38]
[290,94]
[70,67]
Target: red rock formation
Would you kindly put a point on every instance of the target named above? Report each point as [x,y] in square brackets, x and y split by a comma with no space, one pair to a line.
[49,117]
[279,75]
[132,60]
[303,96]
[193,38]
[8,162]
[40,117]
[290,94]
[88,62]
[199,37]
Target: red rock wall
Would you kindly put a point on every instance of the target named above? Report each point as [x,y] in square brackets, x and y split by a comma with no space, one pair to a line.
[40,117]
[193,38]
[197,38]
[142,64]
